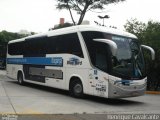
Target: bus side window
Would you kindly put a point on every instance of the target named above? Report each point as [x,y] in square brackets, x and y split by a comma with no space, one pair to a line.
[67,43]
[101,56]
[74,45]
[15,48]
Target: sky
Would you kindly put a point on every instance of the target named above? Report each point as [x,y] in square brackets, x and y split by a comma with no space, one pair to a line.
[40,15]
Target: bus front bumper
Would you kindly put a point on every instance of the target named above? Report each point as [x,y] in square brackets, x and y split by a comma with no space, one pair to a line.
[122,91]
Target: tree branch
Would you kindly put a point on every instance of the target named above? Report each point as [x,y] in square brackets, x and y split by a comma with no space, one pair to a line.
[77,6]
[82,6]
[71,14]
[83,13]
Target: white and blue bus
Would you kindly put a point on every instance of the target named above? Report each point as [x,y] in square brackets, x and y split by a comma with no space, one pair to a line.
[82,59]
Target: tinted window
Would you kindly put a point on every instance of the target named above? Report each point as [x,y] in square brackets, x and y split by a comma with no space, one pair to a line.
[15,48]
[68,43]
[35,46]
[98,51]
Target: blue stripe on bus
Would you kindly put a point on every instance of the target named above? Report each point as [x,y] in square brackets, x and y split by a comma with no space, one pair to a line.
[55,61]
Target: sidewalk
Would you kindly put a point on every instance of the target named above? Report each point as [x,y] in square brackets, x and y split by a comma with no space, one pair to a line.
[2,72]
[5,103]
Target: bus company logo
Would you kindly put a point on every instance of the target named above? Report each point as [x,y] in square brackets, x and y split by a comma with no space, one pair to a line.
[9,117]
[57,61]
[124,82]
[74,61]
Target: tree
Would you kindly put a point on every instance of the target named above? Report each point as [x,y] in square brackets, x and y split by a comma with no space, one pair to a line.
[82,6]
[149,34]
[4,38]
[136,27]
[7,36]
[63,25]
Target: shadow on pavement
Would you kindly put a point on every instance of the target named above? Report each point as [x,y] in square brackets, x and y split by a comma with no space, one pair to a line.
[113,101]
[107,101]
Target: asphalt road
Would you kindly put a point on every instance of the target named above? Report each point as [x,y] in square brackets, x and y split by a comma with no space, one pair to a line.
[35,99]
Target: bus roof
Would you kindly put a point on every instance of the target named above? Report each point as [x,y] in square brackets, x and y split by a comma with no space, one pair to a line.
[79,28]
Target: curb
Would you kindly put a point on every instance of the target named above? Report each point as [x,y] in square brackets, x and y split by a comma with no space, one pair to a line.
[153,92]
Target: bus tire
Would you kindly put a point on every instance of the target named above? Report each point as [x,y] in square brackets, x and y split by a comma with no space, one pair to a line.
[76,88]
[20,78]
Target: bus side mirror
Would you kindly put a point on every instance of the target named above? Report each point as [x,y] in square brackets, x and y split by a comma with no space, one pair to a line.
[151,50]
[112,44]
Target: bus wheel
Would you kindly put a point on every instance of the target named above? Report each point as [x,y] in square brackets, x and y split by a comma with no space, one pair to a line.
[76,89]
[20,78]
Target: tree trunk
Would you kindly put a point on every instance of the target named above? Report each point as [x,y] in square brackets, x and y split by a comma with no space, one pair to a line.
[71,14]
[83,14]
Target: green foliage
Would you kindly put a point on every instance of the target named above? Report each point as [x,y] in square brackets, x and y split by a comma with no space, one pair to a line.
[148,34]
[7,36]
[82,6]
[4,38]
[136,27]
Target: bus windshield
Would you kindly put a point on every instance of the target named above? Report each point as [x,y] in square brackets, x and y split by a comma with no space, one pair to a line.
[128,63]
